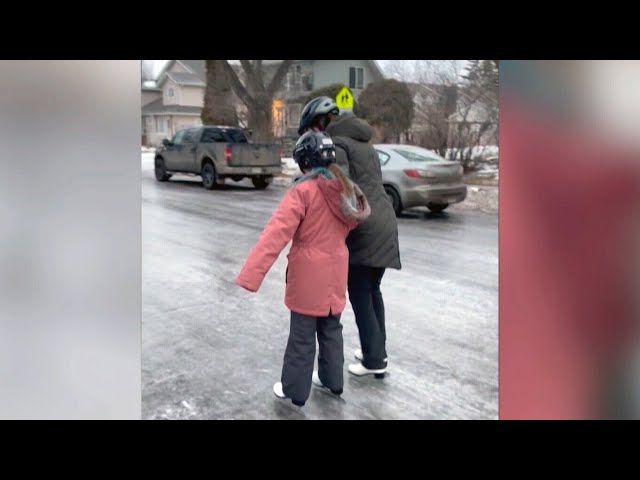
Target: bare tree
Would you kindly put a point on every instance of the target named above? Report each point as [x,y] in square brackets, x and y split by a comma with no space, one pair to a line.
[423,71]
[257,93]
[436,92]
[219,107]
[455,116]
[477,116]
[443,72]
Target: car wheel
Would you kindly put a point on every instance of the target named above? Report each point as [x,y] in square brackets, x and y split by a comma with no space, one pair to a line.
[437,208]
[395,199]
[209,176]
[161,170]
[260,183]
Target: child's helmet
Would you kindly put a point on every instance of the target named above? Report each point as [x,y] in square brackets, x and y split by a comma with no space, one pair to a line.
[317,106]
[313,150]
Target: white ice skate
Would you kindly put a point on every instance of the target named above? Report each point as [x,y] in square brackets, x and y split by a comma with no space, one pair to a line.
[277,390]
[315,379]
[360,370]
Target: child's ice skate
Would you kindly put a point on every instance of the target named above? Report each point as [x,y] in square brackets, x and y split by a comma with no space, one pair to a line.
[277,390]
[315,379]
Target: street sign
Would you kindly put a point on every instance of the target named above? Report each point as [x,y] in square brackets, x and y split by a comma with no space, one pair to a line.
[344,99]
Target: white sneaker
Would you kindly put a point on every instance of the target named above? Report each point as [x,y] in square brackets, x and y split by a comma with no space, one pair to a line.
[360,370]
[359,356]
[315,379]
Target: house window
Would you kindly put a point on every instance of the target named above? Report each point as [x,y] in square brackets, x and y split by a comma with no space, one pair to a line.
[289,81]
[356,77]
[162,125]
[170,92]
[307,82]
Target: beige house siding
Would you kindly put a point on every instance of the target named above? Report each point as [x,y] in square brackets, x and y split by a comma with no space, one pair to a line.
[150,96]
[192,96]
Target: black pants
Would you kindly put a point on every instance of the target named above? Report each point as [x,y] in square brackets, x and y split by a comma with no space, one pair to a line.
[368,307]
[300,354]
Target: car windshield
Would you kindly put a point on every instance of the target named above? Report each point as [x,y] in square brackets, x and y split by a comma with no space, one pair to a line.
[418,155]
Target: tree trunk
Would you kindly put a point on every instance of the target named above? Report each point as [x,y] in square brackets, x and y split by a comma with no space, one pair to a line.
[257,96]
[260,119]
[219,107]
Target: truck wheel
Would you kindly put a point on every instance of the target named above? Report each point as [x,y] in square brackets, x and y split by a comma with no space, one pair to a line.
[209,176]
[161,170]
[437,208]
[260,183]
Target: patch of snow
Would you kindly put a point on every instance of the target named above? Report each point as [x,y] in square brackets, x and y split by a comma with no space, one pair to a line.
[479,152]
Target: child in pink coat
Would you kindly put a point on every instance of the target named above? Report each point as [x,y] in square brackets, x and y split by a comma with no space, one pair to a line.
[316,215]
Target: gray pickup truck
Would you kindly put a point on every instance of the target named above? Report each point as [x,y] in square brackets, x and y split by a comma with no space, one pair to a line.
[215,153]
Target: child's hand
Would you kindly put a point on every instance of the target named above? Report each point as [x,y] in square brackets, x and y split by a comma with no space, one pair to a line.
[241,283]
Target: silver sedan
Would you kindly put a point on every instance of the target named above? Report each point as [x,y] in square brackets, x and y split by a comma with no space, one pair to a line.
[417,177]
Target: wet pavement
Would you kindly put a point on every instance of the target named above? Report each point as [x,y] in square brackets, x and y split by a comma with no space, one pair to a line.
[213,351]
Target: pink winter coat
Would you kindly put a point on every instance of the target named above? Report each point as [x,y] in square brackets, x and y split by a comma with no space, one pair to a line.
[315,216]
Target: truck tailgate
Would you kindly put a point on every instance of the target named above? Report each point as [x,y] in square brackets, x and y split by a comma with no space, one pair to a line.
[254,155]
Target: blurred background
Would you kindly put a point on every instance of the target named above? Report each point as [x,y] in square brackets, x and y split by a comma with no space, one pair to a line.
[70,239]
[569,239]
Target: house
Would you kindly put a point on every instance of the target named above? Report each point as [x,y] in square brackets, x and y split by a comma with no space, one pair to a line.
[180,88]
[150,94]
[180,94]
[305,76]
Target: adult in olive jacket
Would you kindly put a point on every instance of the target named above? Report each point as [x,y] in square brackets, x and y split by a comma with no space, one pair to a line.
[373,246]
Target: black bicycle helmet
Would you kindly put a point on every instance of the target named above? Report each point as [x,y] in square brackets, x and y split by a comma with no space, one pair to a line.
[317,106]
[313,150]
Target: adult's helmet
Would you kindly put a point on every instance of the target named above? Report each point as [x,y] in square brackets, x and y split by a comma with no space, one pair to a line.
[317,106]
